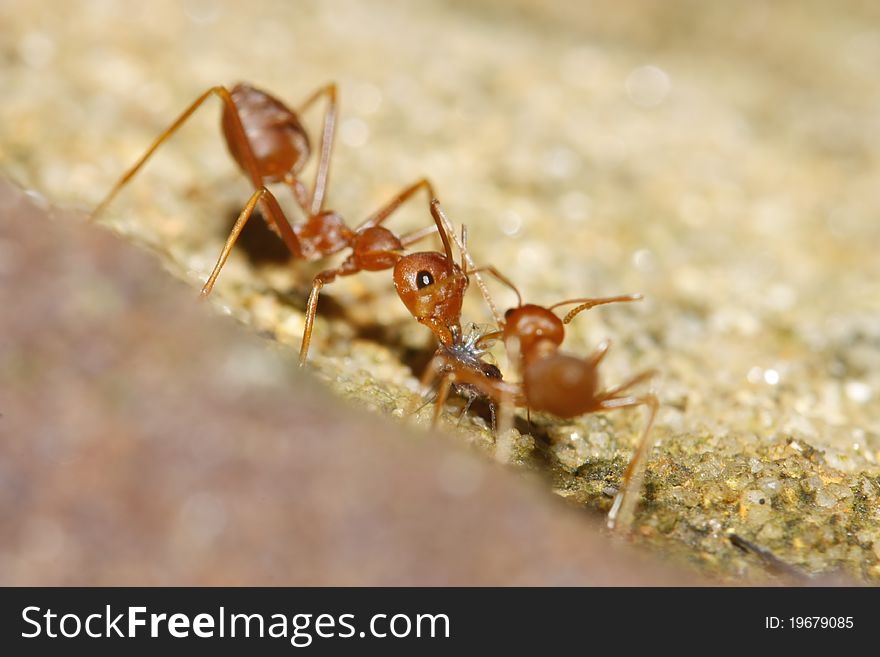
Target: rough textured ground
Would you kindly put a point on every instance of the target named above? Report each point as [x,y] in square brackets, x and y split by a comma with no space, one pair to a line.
[720,159]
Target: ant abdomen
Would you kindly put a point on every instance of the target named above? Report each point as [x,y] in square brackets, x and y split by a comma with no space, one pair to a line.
[562,385]
[275,135]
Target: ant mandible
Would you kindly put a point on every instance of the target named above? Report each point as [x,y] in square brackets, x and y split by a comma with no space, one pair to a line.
[270,145]
[551,381]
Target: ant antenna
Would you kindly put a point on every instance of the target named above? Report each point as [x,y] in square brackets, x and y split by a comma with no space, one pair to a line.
[466,257]
[586,304]
[442,227]
[502,279]
[463,248]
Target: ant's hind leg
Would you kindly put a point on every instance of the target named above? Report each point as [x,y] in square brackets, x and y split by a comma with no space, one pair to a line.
[274,215]
[622,512]
[222,92]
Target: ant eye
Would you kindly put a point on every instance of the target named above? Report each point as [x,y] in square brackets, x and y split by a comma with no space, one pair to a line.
[424,279]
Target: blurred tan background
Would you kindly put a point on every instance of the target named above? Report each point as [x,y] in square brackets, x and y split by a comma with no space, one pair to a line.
[719,158]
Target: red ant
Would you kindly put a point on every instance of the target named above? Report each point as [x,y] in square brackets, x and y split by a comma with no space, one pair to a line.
[551,381]
[269,143]
[432,287]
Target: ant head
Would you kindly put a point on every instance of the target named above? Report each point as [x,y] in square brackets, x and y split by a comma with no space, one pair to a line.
[432,289]
[532,324]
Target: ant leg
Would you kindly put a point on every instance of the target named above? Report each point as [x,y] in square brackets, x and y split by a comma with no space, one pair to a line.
[417,235]
[622,511]
[273,211]
[467,407]
[442,228]
[489,269]
[506,405]
[467,260]
[598,355]
[425,383]
[328,132]
[610,396]
[320,281]
[300,192]
[432,372]
[442,395]
[233,237]
[128,175]
[504,434]
[501,395]
[380,215]
[504,428]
